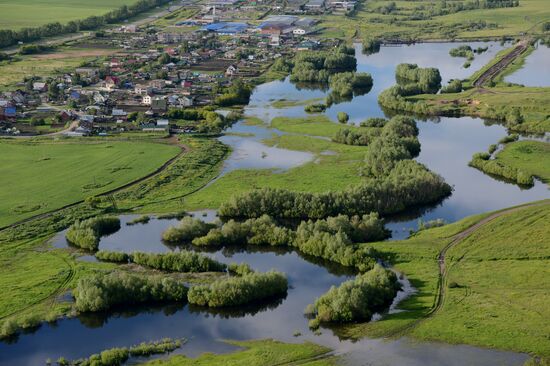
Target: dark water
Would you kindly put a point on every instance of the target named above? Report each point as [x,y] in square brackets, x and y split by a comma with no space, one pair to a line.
[536,71]
[447,146]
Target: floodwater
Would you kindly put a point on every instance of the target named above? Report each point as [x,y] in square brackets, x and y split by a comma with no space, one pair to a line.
[447,146]
[535,71]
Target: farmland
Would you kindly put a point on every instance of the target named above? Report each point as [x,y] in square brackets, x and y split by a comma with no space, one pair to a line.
[47,175]
[32,13]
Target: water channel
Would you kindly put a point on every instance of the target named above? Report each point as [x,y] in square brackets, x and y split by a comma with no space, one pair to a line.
[447,146]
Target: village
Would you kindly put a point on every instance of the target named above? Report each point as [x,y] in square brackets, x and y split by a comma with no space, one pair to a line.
[159,69]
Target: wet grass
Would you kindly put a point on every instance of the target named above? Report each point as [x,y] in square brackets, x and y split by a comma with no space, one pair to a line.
[41,176]
[258,353]
[318,125]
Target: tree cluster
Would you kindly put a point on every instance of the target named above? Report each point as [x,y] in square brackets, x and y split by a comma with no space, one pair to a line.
[182,261]
[234,291]
[86,233]
[357,299]
[318,66]
[103,291]
[188,229]
[347,84]
[412,80]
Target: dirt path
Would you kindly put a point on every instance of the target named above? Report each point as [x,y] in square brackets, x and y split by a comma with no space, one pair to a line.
[443,270]
[173,140]
[497,68]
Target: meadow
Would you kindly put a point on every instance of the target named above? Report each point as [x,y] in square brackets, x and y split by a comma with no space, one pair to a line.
[31,13]
[41,176]
[496,292]
[532,157]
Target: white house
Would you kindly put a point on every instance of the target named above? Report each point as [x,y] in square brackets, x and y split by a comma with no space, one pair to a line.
[147,100]
[299,31]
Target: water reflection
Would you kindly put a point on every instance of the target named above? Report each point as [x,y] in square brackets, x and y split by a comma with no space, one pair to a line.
[535,71]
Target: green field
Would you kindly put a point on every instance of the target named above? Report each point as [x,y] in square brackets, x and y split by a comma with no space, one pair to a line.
[334,166]
[17,14]
[41,176]
[528,17]
[501,291]
[532,157]
[258,353]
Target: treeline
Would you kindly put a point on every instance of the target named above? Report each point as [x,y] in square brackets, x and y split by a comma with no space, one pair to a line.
[234,291]
[86,233]
[357,299]
[182,261]
[209,121]
[407,185]
[10,37]
[355,136]
[454,86]
[104,291]
[483,162]
[118,356]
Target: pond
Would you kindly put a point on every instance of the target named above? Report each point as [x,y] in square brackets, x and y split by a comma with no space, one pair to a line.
[535,71]
[447,146]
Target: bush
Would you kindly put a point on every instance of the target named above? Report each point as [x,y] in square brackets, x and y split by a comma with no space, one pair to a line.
[483,162]
[343,117]
[188,229]
[235,291]
[109,256]
[139,220]
[357,299]
[374,122]
[315,108]
[454,86]
[183,261]
[102,291]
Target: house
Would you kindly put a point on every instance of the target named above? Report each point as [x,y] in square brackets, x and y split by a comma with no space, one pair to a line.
[307,45]
[231,70]
[90,72]
[147,99]
[162,123]
[158,84]
[111,83]
[159,105]
[119,113]
[38,86]
[185,101]
[299,31]
[275,40]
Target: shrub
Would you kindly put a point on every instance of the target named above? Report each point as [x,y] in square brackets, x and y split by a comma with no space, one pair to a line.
[235,291]
[109,256]
[315,108]
[343,117]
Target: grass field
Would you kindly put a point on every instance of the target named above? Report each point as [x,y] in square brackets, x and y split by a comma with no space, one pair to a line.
[508,22]
[500,272]
[258,353]
[46,65]
[43,176]
[17,14]
[532,157]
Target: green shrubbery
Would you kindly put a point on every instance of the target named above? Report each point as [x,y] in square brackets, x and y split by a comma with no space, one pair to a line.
[412,79]
[346,84]
[118,356]
[354,136]
[86,233]
[371,45]
[454,86]
[317,66]
[139,220]
[357,299]
[374,122]
[102,291]
[315,108]
[188,229]
[182,261]
[109,256]
[234,291]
